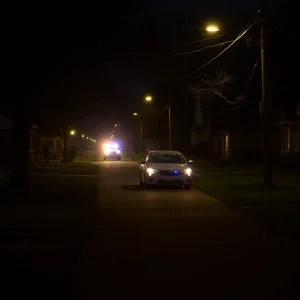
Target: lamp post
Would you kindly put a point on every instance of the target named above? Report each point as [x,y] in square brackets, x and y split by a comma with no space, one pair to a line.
[170,128]
[265,106]
[138,115]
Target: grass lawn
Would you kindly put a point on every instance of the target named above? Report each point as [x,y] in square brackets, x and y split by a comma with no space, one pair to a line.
[211,166]
[246,188]
[279,208]
[86,159]
[45,227]
[135,156]
[83,168]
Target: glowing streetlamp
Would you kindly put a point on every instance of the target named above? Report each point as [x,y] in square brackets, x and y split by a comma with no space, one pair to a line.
[212,28]
[72,132]
[148,98]
[135,114]
[82,136]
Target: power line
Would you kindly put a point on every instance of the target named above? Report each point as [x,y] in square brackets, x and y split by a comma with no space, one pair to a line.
[198,46]
[253,69]
[203,40]
[243,32]
[199,50]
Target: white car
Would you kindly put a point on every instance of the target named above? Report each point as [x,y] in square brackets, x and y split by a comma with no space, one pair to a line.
[163,167]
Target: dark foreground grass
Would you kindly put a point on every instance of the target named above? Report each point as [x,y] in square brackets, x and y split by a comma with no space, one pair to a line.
[44,227]
[84,168]
[278,208]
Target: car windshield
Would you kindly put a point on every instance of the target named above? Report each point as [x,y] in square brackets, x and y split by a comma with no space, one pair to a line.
[167,158]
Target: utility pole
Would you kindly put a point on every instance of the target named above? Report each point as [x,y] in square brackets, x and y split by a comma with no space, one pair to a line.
[142,136]
[65,152]
[265,102]
[170,131]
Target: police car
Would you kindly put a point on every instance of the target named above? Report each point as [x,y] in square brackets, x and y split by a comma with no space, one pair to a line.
[165,168]
[112,151]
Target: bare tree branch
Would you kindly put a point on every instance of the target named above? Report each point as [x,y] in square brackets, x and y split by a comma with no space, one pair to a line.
[209,88]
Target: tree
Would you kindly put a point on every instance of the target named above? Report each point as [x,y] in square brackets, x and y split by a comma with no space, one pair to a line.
[216,87]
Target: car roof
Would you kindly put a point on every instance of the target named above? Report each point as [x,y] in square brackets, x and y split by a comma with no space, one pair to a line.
[164,152]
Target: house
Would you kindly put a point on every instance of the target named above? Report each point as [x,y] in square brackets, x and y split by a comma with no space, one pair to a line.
[227,134]
[288,128]
[237,137]
[6,136]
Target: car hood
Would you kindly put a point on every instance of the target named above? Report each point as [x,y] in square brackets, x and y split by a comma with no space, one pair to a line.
[160,167]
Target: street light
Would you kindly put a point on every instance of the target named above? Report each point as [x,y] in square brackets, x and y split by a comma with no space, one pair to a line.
[212,28]
[82,136]
[72,132]
[87,137]
[170,132]
[148,98]
[136,114]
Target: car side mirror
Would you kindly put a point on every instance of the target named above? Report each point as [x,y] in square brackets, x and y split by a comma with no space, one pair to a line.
[190,162]
[142,161]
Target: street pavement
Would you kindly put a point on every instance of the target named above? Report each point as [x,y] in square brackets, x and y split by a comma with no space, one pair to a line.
[115,240]
[173,243]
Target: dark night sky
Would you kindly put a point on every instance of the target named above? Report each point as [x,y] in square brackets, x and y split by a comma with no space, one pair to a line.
[93,64]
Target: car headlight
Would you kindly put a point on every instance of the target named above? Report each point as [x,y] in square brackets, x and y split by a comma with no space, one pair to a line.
[118,151]
[188,171]
[151,171]
[106,151]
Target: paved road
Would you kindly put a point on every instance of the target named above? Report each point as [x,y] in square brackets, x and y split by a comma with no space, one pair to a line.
[175,242]
[77,240]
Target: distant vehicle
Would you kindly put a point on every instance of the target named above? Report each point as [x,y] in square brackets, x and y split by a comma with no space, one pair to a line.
[112,151]
[162,167]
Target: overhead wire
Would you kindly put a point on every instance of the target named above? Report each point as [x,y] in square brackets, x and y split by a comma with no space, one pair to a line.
[241,34]
[199,41]
[199,50]
[252,72]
